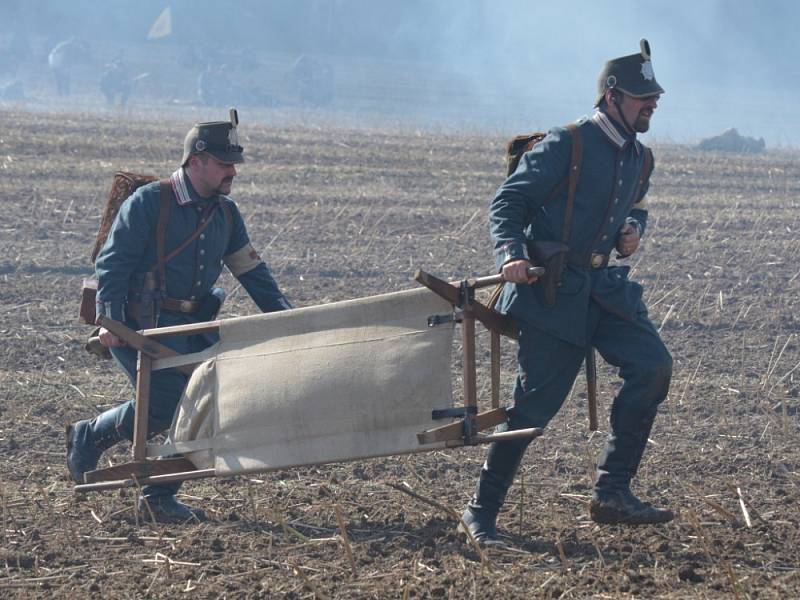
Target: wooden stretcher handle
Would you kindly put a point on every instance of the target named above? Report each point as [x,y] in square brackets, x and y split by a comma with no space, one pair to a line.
[479,282]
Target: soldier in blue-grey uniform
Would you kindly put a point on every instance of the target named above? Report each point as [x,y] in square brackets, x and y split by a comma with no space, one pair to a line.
[199,191]
[594,304]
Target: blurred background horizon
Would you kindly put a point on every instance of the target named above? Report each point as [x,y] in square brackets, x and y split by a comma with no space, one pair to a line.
[470,66]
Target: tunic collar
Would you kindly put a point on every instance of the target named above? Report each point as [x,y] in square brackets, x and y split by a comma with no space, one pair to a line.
[183,188]
[612,131]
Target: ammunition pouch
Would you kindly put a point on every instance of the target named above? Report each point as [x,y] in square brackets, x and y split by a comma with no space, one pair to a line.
[209,305]
[145,305]
[553,257]
[142,313]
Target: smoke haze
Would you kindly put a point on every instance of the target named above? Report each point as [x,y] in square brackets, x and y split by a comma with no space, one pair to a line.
[478,65]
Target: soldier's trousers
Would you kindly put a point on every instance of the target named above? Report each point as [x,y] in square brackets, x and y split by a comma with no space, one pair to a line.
[548,367]
[166,389]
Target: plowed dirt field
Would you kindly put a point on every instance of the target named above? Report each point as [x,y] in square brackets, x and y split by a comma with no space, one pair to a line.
[341,214]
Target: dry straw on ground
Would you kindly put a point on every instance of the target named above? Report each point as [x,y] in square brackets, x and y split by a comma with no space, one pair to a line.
[342,214]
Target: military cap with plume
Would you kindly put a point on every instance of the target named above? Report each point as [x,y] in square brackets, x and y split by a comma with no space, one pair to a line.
[220,139]
[632,74]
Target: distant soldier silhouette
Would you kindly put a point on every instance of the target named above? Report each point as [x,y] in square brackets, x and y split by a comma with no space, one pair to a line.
[63,58]
[116,83]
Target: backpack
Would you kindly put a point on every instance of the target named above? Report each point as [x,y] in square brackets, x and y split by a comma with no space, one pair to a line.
[122,186]
[519,146]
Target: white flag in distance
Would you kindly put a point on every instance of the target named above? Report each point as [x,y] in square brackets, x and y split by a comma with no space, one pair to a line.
[162,26]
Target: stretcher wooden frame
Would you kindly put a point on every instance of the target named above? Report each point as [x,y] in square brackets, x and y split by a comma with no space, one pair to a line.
[464,431]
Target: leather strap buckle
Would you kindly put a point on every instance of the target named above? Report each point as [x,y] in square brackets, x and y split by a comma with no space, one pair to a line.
[179,305]
[598,261]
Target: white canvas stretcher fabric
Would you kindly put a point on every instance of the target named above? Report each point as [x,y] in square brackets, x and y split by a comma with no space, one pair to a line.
[328,383]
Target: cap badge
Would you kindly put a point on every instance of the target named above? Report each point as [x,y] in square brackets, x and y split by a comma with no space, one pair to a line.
[199,145]
[647,70]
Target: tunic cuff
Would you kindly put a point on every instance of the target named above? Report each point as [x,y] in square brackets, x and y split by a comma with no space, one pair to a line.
[112,310]
[511,251]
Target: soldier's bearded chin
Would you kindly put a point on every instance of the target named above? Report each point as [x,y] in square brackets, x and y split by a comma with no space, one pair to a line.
[642,123]
[224,186]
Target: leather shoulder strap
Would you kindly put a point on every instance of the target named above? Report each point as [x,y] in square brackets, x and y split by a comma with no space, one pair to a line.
[572,178]
[205,220]
[164,208]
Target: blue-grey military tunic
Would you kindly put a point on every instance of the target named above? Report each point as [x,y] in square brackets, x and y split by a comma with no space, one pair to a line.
[600,307]
[608,195]
[130,252]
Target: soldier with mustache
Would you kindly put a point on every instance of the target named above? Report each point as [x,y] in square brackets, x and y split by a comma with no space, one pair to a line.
[195,195]
[591,303]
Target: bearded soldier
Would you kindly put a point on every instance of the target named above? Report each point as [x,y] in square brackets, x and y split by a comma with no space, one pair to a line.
[585,302]
[138,288]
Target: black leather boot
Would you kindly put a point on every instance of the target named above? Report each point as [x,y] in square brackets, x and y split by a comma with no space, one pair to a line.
[615,506]
[165,508]
[86,441]
[497,475]
[613,501]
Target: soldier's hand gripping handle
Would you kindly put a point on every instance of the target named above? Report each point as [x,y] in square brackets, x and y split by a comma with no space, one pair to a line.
[478,282]
[520,271]
[108,339]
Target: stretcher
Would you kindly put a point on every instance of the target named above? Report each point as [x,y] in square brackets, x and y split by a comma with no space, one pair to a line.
[338,382]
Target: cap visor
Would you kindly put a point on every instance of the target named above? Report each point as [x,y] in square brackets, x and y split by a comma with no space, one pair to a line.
[229,158]
[654,91]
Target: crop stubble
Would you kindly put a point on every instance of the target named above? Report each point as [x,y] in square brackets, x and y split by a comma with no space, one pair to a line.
[341,214]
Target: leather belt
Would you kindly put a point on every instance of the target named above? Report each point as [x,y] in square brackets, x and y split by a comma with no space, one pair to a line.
[168,304]
[595,260]
[181,306]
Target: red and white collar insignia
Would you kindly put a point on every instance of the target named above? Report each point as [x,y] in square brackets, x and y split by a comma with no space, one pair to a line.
[179,187]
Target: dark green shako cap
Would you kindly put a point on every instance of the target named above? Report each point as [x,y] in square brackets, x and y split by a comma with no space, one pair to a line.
[220,139]
[632,74]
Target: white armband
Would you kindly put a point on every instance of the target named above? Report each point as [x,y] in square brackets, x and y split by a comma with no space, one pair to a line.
[243,260]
